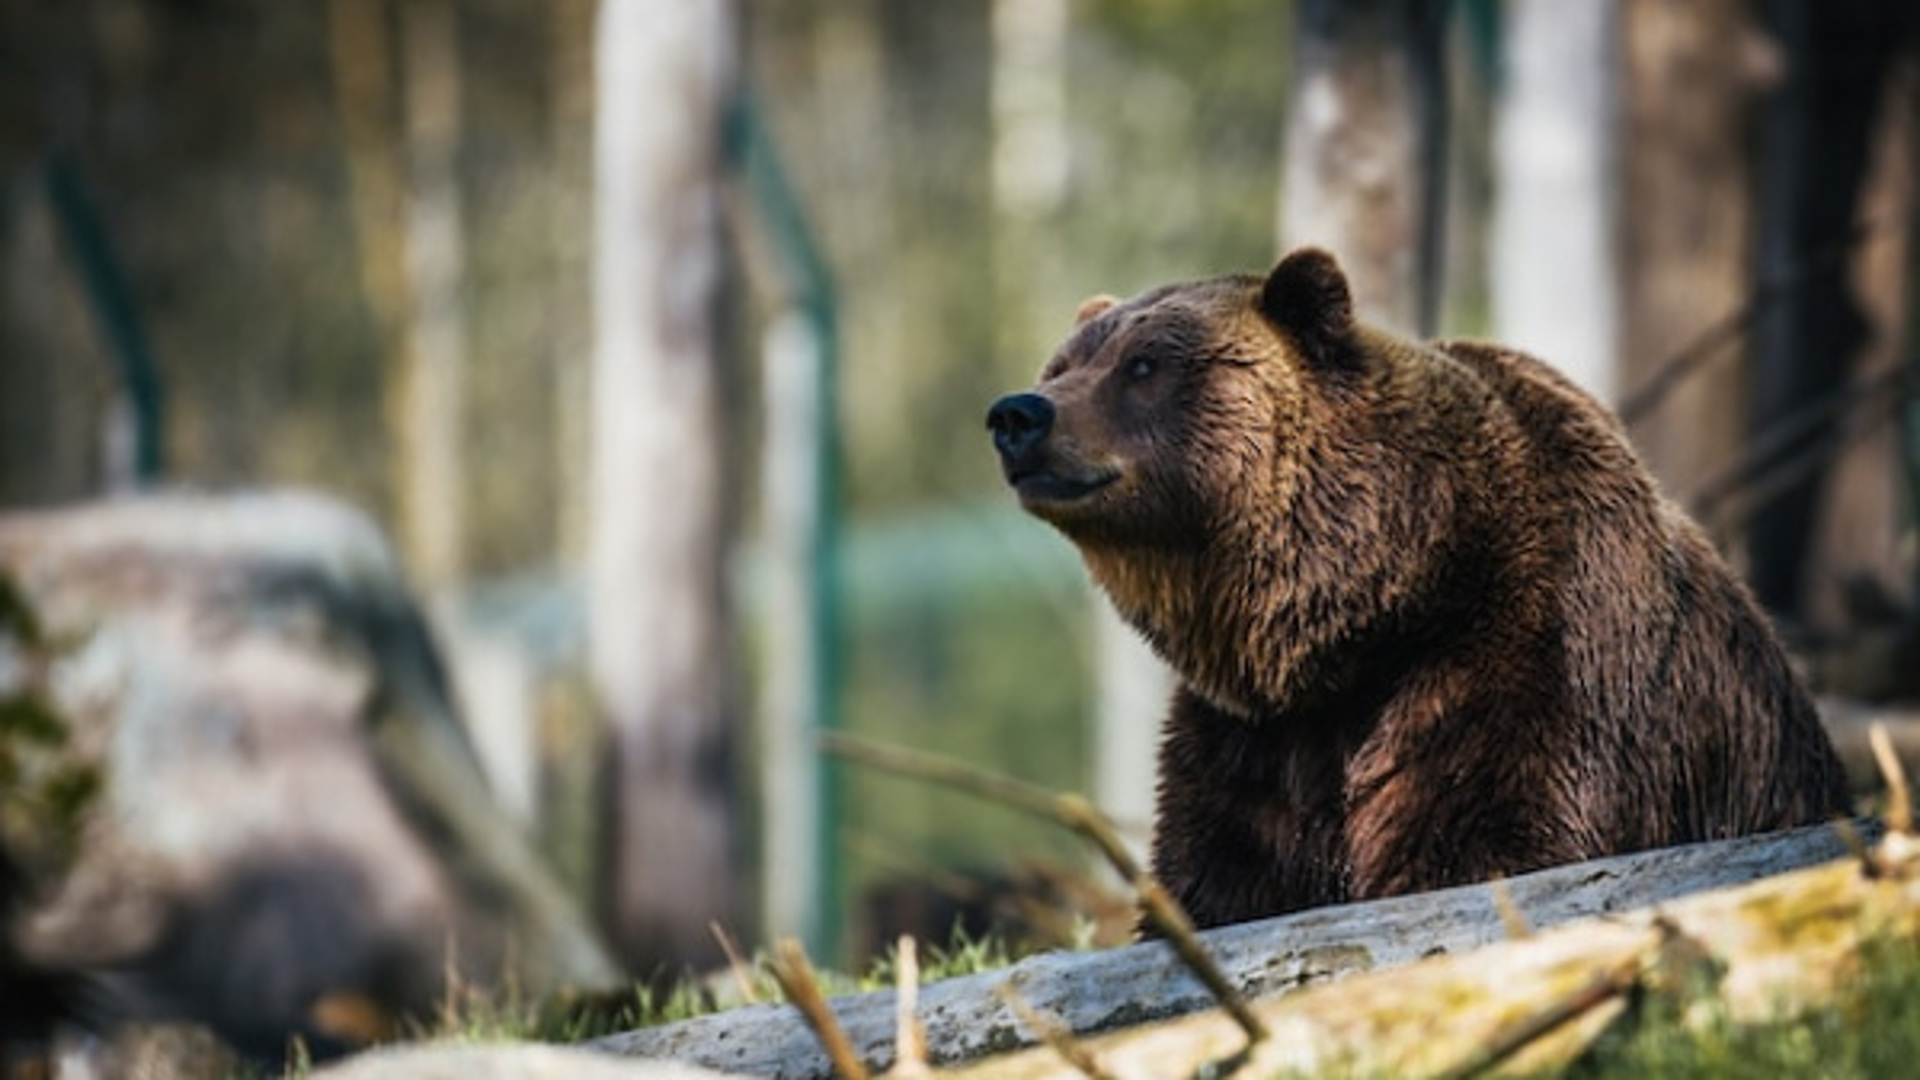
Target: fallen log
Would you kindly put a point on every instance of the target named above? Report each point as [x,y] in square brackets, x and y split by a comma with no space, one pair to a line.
[967,1018]
[1763,951]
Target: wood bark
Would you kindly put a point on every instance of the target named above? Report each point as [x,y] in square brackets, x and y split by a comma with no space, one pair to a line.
[1362,163]
[407,225]
[1816,151]
[433,387]
[1764,951]
[49,408]
[1691,77]
[1862,527]
[1032,135]
[966,1018]
[570,119]
[658,547]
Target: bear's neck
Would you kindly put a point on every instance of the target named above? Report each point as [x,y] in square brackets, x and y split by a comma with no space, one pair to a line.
[1215,622]
[1266,625]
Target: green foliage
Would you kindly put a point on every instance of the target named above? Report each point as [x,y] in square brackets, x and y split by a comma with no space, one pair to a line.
[27,720]
[1179,121]
[17,618]
[998,680]
[46,789]
[471,1013]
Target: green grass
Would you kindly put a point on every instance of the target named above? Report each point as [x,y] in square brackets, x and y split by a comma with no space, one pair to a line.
[1873,1030]
[964,955]
[471,1014]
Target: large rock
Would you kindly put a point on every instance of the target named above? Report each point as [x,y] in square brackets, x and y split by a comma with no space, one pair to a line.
[293,835]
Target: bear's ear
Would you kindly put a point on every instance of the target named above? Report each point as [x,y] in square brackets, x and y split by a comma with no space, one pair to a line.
[1091,307]
[1306,295]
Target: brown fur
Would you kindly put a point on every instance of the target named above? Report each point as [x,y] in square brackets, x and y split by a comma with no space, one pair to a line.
[1432,620]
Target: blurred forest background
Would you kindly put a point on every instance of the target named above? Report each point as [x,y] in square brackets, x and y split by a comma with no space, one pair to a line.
[359,246]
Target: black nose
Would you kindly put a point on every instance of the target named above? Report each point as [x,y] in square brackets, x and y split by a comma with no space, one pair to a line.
[1019,422]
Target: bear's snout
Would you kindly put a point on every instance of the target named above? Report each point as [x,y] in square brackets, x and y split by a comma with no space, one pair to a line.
[1018,423]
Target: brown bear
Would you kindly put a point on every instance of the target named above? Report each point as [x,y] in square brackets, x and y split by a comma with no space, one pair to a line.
[1432,621]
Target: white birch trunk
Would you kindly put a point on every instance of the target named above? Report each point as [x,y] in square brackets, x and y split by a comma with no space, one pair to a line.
[657,545]
[1553,266]
[1354,173]
[571,23]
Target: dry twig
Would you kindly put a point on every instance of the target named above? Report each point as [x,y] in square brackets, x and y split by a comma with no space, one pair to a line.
[795,976]
[1527,1029]
[1053,1033]
[1511,916]
[909,1041]
[737,964]
[1899,800]
[1797,444]
[1768,949]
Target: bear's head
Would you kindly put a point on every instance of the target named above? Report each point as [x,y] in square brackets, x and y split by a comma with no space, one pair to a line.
[1221,453]
[1161,409]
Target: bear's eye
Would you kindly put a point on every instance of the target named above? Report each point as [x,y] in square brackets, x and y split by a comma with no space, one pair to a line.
[1140,368]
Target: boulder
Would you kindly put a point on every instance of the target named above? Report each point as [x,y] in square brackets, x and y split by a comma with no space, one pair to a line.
[292,835]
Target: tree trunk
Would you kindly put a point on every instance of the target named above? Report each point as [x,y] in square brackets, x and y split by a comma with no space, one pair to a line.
[1691,75]
[570,120]
[1553,266]
[433,503]
[1815,149]
[409,241]
[1363,170]
[1868,503]
[658,545]
[49,365]
[1029,167]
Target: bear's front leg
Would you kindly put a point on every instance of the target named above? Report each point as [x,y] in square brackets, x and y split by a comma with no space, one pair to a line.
[1250,816]
[1460,798]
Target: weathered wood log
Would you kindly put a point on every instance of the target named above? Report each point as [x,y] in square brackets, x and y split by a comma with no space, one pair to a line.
[1765,950]
[966,1018]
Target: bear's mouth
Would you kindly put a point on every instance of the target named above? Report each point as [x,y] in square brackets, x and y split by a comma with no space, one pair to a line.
[1038,485]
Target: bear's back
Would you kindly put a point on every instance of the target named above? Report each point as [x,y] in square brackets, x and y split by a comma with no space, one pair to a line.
[1663,646]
